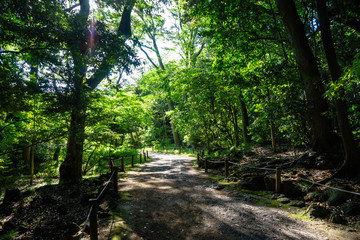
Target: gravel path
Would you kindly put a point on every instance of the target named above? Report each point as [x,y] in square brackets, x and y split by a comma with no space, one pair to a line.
[171,199]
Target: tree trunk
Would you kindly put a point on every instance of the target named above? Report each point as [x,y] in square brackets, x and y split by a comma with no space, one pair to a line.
[173,128]
[236,128]
[70,169]
[122,140]
[323,138]
[132,138]
[32,165]
[272,134]
[352,162]
[26,154]
[56,153]
[244,118]
[272,128]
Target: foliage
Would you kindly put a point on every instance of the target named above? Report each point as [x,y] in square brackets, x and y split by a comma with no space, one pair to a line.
[220,72]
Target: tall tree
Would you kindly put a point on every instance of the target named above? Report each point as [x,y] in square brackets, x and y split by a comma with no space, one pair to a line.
[151,25]
[352,162]
[323,138]
[71,168]
[74,53]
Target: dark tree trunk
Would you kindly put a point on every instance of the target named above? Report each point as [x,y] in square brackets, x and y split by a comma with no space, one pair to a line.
[70,169]
[236,127]
[352,152]
[56,153]
[26,154]
[173,128]
[272,127]
[244,119]
[243,110]
[323,138]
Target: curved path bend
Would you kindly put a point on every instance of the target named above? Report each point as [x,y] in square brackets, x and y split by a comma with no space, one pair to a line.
[171,199]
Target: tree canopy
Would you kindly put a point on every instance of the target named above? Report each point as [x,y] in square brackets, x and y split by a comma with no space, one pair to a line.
[210,74]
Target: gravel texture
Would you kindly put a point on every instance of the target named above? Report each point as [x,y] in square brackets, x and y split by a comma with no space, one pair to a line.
[171,199]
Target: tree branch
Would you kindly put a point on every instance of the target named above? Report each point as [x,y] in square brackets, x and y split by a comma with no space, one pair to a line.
[148,57]
[45,140]
[72,7]
[125,31]
[125,22]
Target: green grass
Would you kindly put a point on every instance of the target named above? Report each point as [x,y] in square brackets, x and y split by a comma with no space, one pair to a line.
[125,196]
[301,215]
[120,227]
[215,178]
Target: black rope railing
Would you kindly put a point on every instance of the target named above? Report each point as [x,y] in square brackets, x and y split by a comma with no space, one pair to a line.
[276,170]
[92,214]
[85,223]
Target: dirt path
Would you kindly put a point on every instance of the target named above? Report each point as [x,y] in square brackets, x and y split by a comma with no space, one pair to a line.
[173,200]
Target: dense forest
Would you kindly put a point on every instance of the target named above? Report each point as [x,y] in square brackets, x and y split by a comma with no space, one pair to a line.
[217,75]
[83,82]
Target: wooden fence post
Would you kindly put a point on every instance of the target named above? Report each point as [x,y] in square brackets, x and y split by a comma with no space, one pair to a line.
[140,158]
[111,164]
[226,168]
[115,179]
[32,165]
[93,220]
[132,160]
[206,165]
[147,154]
[278,180]
[122,166]
[198,159]
[144,155]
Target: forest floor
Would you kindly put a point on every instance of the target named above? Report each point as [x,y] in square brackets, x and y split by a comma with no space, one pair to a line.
[169,198]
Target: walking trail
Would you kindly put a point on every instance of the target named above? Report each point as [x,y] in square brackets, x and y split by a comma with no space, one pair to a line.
[171,199]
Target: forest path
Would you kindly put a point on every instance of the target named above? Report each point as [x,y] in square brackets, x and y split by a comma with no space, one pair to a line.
[171,199]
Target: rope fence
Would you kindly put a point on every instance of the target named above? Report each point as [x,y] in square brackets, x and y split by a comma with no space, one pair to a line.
[92,214]
[180,149]
[276,170]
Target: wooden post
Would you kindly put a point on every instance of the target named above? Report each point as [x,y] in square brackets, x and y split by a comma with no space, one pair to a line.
[147,154]
[132,160]
[144,155]
[111,164]
[115,178]
[226,168]
[278,180]
[122,169]
[206,167]
[32,165]
[93,220]
[140,158]
[198,159]
[110,157]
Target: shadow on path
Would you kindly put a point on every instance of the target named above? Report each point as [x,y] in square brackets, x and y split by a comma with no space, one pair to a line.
[172,200]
